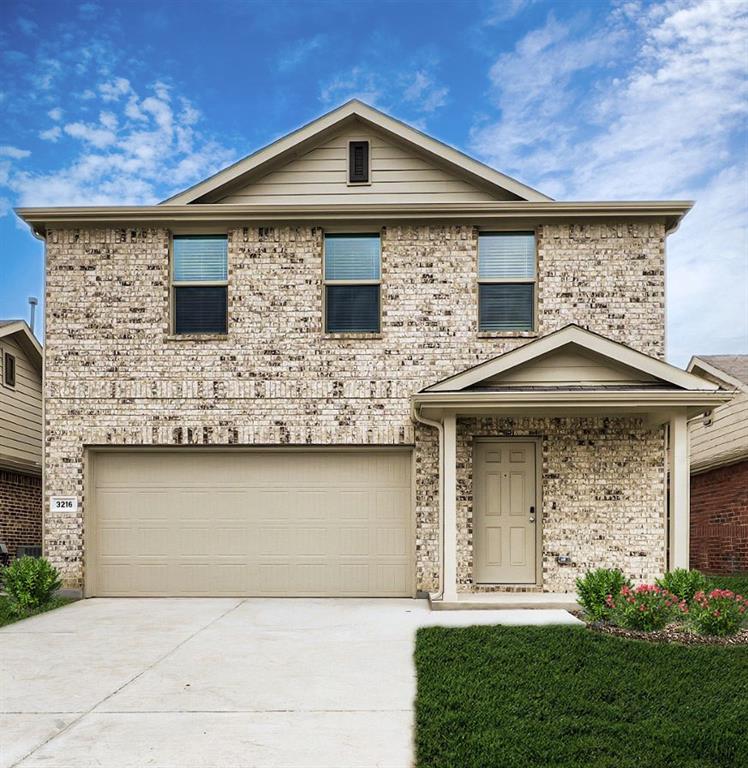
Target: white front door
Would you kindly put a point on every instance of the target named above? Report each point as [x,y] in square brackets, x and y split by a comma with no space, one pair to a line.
[505,512]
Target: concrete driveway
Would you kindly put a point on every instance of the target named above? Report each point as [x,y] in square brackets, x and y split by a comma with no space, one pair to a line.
[218,683]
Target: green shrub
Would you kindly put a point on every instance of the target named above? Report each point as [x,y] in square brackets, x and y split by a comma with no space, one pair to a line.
[595,587]
[648,608]
[682,583]
[720,612]
[30,582]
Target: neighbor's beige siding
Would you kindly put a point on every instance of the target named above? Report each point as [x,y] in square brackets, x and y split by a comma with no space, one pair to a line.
[725,440]
[398,175]
[20,410]
[115,377]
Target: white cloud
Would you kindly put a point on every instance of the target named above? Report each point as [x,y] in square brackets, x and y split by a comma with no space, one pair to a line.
[650,103]
[13,152]
[55,114]
[98,137]
[359,83]
[295,55]
[425,93]
[138,142]
[27,26]
[412,87]
[51,134]
[503,10]
[114,90]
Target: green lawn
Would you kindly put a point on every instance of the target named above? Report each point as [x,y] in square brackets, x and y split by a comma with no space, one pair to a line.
[8,617]
[536,697]
[737,582]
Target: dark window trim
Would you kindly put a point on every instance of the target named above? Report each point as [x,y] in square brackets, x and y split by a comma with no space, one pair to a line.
[359,175]
[9,371]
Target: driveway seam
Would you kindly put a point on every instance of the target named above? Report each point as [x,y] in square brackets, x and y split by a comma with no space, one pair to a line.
[128,682]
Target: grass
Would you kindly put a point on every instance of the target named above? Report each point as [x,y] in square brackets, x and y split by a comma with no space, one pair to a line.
[534,697]
[737,582]
[8,617]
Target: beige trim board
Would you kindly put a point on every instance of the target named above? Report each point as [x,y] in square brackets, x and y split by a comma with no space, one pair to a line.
[188,217]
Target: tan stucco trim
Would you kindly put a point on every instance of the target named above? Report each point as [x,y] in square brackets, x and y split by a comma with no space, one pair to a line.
[351,110]
[587,340]
[519,213]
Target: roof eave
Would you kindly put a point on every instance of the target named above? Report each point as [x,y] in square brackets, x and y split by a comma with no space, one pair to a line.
[484,213]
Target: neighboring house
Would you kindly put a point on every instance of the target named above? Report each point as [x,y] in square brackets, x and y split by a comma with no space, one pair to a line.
[20,440]
[719,470]
[360,363]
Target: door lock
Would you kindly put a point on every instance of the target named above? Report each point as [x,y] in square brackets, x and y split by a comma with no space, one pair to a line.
[532,514]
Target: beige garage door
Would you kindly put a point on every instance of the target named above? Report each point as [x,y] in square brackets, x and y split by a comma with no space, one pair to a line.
[328,523]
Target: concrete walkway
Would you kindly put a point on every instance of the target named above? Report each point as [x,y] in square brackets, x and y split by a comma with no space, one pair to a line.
[213,683]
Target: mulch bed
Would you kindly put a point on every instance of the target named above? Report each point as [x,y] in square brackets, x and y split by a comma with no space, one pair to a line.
[671,634]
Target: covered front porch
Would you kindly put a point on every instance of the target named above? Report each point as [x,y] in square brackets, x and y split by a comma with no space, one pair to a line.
[567,454]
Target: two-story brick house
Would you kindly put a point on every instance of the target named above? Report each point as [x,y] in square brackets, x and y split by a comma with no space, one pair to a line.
[361,363]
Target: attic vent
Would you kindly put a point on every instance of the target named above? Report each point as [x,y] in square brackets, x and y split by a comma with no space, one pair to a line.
[358,156]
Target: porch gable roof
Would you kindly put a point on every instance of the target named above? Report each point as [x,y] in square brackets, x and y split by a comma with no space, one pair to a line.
[612,365]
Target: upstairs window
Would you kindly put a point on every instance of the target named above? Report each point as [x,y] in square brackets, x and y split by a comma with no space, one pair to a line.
[352,283]
[358,162]
[200,283]
[506,281]
[9,370]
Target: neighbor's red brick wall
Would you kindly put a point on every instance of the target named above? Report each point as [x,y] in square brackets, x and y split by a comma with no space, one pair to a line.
[20,510]
[719,519]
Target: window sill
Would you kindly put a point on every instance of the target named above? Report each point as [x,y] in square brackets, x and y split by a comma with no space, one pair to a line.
[507,334]
[197,337]
[351,336]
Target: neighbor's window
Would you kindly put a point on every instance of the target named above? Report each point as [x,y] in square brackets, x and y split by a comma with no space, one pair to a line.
[9,370]
[358,161]
[200,283]
[506,281]
[352,283]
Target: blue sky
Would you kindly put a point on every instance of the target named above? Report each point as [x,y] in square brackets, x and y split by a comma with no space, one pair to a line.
[109,103]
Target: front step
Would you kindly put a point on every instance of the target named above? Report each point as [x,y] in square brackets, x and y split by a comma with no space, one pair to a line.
[502,601]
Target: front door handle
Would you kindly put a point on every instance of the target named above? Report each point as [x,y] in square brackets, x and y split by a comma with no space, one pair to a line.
[532,514]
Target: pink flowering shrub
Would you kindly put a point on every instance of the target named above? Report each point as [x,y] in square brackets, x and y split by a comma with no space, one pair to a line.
[646,607]
[719,612]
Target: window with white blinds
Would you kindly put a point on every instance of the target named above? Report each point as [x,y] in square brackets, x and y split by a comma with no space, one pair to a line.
[352,283]
[200,283]
[506,281]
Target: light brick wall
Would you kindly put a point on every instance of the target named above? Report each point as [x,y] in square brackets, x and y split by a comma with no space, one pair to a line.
[115,376]
[602,492]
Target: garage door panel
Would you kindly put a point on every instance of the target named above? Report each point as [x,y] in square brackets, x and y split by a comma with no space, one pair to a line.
[253,523]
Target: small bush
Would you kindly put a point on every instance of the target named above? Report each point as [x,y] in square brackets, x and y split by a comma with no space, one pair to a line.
[595,587]
[682,583]
[647,608]
[30,583]
[720,612]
